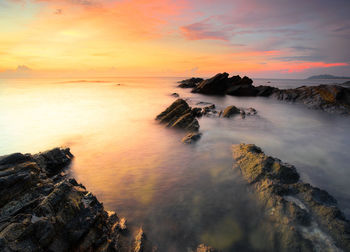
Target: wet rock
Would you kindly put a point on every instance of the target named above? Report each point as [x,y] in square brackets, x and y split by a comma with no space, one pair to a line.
[231,111]
[179,115]
[191,137]
[307,218]
[330,98]
[190,83]
[43,210]
[176,95]
[197,112]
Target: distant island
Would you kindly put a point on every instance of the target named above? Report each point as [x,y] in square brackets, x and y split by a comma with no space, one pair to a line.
[326,76]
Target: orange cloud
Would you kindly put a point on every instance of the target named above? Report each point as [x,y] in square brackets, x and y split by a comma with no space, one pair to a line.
[299,67]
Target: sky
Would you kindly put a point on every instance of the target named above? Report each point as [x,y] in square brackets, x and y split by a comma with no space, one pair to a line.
[258,38]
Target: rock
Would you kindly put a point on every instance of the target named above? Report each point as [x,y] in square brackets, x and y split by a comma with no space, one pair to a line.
[230,111]
[244,90]
[190,83]
[197,112]
[330,98]
[265,91]
[215,85]
[191,137]
[43,210]
[175,95]
[306,218]
[346,83]
[179,115]
[251,111]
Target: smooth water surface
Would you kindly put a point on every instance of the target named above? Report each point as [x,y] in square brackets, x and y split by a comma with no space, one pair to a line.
[182,195]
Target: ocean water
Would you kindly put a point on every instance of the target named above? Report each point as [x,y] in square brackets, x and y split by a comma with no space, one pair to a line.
[182,195]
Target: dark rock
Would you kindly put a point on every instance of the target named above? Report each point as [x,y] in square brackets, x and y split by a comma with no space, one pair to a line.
[175,95]
[251,111]
[179,115]
[42,212]
[54,160]
[330,98]
[242,90]
[191,137]
[14,158]
[265,90]
[306,218]
[190,83]
[231,111]
[346,83]
[197,112]
[215,85]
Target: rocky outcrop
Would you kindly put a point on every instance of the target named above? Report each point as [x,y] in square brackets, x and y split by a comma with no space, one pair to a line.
[190,83]
[179,115]
[306,217]
[330,98]
[221,84]
[191,137]
[41,209]
[231,111]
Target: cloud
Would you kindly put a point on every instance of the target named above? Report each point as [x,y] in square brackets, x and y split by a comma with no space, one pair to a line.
[300,67]
[204,30]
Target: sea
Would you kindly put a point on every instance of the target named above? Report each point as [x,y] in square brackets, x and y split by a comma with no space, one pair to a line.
[182,195]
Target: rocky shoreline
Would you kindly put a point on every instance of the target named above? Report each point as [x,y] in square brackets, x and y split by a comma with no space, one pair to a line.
[307,217]
[42,209]
[330,98]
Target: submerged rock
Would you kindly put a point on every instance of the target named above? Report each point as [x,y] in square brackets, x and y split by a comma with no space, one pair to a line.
[41,209]
[190,83]
[307,218]
[175,95]
[179,115]
[191,137]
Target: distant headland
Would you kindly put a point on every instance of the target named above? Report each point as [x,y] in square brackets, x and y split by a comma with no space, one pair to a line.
[326,76]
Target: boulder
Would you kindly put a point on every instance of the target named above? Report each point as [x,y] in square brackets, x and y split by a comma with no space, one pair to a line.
[215,85]
[191,137]
[190,83]
[179,115]
[42,209]
[176,95]
[231,111]
[307,218]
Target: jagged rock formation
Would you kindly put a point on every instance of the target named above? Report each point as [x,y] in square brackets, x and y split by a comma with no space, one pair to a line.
[330,98]
[41,209]
[190,83]
[179,115]
[306,217]
[221,84]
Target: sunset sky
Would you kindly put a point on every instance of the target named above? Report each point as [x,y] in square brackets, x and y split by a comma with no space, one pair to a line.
[259,38]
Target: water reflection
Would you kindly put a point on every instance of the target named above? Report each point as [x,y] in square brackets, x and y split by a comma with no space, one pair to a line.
[182,195]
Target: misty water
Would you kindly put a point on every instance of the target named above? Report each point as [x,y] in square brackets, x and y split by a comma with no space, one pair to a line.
[182,195]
